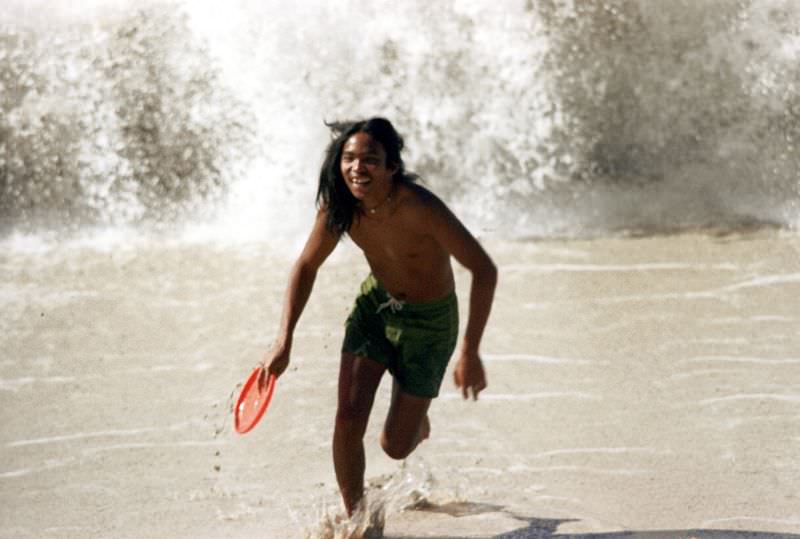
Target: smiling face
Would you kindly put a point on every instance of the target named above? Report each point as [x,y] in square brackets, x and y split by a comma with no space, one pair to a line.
[365,170]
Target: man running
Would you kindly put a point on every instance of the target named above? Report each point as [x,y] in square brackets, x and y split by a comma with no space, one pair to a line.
[405,319]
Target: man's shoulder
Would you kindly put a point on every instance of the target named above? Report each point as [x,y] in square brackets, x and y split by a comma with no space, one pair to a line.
[420,209]
[417,197]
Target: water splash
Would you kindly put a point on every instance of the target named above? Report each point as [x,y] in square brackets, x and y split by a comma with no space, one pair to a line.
[552,118]
[411,487]
[117,120]
[366,523]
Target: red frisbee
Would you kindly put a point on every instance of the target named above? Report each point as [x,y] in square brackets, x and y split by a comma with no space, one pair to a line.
[253,401]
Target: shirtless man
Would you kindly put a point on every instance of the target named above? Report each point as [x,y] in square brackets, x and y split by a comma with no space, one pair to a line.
[405,319]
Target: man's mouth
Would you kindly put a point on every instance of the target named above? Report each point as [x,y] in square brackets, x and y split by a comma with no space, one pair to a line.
[360,180]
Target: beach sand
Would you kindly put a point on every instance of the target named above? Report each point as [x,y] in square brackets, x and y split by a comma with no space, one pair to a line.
[644,385]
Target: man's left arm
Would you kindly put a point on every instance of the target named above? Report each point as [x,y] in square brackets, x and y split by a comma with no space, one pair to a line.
[462,245]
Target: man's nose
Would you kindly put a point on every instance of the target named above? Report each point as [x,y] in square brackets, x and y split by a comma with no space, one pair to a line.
[358,164]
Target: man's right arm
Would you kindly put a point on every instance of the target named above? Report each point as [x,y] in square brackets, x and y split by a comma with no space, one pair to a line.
[319,245]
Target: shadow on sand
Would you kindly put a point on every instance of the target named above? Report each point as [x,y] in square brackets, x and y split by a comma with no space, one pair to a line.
[546,529]
[537,528]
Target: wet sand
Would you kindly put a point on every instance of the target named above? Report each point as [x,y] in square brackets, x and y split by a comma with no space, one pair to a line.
[645,385]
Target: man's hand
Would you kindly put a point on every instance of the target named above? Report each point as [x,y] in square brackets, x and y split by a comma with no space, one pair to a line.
[469,374]
[275,362]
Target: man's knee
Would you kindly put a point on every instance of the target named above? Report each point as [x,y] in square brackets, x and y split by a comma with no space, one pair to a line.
[352,416]
[396,447]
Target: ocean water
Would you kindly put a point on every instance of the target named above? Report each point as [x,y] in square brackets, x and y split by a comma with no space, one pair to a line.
[635,385]
[632,167]
[543,119]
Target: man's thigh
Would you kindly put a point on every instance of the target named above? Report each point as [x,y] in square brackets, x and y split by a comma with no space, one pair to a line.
[406,414]
[359,378]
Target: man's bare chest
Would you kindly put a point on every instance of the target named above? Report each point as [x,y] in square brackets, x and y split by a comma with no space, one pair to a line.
[391,241]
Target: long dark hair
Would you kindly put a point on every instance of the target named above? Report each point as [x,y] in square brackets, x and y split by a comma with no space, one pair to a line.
[333,193]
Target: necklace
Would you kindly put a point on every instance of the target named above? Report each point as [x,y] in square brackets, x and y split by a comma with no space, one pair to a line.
[375,208]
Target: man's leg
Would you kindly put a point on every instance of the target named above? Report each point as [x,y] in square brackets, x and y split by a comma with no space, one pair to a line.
[406,424]
[359,378]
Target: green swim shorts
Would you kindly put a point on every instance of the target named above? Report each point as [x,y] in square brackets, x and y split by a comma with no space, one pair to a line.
[414,340]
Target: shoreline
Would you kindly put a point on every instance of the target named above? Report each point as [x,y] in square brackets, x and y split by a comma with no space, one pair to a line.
[635,385]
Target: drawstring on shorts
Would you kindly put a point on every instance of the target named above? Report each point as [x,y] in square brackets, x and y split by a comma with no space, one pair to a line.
[393,304]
